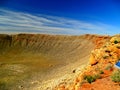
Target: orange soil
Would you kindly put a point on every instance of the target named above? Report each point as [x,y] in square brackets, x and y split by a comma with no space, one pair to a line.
[101,84]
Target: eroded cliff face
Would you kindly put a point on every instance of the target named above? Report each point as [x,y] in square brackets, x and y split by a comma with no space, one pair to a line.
[57,46]
[60,47]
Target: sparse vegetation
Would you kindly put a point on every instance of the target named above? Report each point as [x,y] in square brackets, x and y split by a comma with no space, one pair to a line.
[90,78]
[101,72]
[105,57]
[116,76]
[115,42]
[97,76]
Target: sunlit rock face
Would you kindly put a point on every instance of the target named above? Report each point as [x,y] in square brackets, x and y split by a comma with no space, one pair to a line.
[109,52]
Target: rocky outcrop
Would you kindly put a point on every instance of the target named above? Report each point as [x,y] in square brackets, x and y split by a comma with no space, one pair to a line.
[99,72]
[109,52]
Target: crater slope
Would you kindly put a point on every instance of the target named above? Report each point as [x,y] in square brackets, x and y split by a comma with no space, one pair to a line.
[27,60]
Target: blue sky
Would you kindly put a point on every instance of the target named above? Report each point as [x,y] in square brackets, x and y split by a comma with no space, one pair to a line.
[71,17]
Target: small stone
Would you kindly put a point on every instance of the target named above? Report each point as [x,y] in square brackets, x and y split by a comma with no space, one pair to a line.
[74,71]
